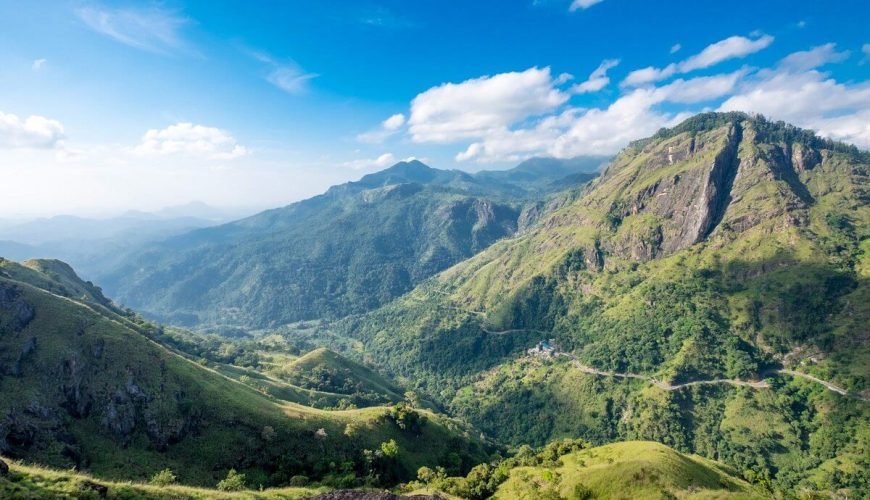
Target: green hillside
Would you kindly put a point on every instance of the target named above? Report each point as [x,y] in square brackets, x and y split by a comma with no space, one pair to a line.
[635,469]
[724,251]
[325,370]
[621,470]
[84,386]
[36,483]
[349,250]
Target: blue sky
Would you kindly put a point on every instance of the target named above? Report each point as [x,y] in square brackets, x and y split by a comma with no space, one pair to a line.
[107,106]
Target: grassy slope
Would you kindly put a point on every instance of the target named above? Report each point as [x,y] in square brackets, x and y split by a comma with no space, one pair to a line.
[627,470]
[133,407]
[324,359]
[32,482]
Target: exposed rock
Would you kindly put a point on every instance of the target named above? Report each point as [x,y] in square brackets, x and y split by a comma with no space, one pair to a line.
[77,401]
[119,415]
[12,302]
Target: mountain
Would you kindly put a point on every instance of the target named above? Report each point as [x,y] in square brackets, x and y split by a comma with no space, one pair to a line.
[86,385]
[708,291]
[547,174]
[91,244]
[349,250]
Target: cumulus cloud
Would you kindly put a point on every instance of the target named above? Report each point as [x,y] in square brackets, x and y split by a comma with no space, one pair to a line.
[475,107]
[797,92]
[578,131]
[729,48]
[598,79]
[33,132]
[512,116]
[192,140]
[153,29]
[583,4]
[675,48]
[386,129]
[38,64]
[382,161]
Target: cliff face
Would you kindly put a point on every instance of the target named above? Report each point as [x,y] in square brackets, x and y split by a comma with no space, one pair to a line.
[675,193]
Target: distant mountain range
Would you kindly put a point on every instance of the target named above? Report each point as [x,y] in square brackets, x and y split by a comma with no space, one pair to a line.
[349,250]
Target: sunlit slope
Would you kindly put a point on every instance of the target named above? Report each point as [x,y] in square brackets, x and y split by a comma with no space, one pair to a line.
[635,469]
[84,387]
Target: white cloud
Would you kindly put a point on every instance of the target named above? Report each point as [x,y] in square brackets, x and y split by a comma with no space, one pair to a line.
[813,58]
[578,131]
[287,76]
[675,48]
[866,50]
[394,122]
[290,79]
[386,129]
[38,64]
[153,29]
[33,132]
[597,80]
[535,118]
[475,107]
[583,4]
[382,161]
[192,140]
[700,89]
[796,92]
[729,48]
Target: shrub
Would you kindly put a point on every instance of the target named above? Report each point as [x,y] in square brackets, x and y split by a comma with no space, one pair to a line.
[233,482]
[163,478]
[299,481]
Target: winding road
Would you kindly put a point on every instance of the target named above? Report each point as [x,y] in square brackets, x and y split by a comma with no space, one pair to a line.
[665,386]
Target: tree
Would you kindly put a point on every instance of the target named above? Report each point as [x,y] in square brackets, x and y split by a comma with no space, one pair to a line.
[268,433]
[390,448]
[233,482]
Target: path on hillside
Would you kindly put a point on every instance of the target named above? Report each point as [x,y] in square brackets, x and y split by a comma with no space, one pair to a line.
[666,386]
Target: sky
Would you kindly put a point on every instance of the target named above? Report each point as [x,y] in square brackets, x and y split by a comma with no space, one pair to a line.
[110,106]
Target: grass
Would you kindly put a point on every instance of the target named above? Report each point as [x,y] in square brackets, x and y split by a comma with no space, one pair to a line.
[629,470]
[32,482]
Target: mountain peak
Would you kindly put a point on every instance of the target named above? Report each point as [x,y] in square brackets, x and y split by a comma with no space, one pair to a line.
[402,172]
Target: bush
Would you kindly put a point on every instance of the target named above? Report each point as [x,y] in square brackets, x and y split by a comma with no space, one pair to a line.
[390,448]
[233,482]
[163,478]
[299,481]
